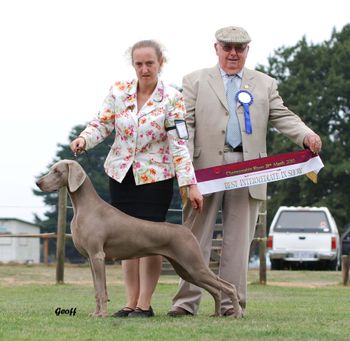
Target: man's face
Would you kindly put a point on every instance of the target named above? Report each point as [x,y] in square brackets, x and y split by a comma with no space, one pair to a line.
[231,56]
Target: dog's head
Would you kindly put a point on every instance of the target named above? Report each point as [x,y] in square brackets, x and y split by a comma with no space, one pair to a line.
[62,173]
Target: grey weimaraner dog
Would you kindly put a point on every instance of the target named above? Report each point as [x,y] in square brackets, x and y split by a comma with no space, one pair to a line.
[100,232]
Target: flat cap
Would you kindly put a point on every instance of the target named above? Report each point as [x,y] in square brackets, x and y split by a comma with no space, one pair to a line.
[232,34]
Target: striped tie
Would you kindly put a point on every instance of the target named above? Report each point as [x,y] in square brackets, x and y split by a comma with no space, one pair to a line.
[233,132]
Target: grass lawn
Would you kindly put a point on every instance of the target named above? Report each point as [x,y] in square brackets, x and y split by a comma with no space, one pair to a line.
[295,305]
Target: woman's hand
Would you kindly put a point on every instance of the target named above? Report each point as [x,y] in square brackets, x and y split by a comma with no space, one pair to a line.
[195,197]
[78,145]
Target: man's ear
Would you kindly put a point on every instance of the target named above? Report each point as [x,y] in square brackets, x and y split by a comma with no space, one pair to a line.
[216,48]
[76,176]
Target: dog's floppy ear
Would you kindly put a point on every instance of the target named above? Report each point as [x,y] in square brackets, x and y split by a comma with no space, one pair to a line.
[76,176]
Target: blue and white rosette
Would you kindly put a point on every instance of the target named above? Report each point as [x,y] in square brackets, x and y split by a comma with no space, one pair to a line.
[246,99]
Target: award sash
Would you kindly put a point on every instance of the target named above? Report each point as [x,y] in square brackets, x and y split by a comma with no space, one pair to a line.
[259,171]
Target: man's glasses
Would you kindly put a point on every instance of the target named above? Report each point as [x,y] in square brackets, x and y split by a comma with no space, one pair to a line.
[238,48]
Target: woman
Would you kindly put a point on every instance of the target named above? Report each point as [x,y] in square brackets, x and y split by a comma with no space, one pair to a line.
[146,154]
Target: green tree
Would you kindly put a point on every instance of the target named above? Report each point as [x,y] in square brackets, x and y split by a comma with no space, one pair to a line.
[314,82]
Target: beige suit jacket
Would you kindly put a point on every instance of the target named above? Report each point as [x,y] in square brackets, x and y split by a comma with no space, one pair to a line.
[207,117]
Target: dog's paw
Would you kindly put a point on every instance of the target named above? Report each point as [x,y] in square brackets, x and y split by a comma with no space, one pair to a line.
[215,315]
[238,313]
[98,314]
[94,314]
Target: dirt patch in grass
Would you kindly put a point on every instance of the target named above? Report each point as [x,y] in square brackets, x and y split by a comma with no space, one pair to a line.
[298,279]
[301,284]
[17,275]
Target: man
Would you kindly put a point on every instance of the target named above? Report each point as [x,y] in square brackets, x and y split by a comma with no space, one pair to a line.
[220,134]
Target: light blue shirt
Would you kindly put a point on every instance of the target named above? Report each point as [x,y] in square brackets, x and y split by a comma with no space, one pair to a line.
[238,82]
[226,77]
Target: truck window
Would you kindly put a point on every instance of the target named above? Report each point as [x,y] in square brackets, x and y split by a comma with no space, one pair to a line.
[302,221]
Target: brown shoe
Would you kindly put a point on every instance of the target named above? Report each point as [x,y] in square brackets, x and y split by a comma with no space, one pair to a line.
[178,311]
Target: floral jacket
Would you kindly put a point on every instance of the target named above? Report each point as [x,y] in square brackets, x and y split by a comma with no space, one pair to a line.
[141,139]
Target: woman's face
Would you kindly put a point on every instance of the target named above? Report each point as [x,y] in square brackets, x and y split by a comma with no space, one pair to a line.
[146,65]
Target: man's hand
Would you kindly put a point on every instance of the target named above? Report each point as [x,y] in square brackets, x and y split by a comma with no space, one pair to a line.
[313,142]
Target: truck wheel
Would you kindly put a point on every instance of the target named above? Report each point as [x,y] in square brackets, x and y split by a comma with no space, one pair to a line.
[276,264]
[332,265]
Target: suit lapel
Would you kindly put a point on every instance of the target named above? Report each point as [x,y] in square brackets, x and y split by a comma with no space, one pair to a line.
[216,83]
[248,80]
[249,85]
[130,99]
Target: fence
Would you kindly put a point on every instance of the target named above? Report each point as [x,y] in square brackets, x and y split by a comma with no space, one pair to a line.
[260,239]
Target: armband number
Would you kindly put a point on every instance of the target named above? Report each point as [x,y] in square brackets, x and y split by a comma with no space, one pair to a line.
[181,129]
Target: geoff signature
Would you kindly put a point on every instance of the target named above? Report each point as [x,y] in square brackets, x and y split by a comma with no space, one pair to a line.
[61,311]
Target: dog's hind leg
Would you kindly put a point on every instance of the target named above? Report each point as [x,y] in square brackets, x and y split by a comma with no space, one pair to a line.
[231,291]
[204,279]
[214,284]
[97,263]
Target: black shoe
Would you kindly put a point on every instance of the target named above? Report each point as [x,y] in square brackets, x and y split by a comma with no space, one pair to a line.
[138,312]
[125,312]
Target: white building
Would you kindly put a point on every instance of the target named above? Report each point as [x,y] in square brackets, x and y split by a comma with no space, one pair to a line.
[19,249]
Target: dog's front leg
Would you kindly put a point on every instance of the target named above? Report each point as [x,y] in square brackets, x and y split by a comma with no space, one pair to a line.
[98,308]
[97,263]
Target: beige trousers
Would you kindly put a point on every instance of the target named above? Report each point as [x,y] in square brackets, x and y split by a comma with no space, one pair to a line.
[239,215]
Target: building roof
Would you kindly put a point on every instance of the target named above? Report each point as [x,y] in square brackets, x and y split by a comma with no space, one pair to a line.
[4,220]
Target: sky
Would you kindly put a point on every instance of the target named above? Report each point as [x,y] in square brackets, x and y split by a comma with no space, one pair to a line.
[59,58]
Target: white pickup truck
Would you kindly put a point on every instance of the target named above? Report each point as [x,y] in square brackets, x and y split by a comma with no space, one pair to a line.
[303,236]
